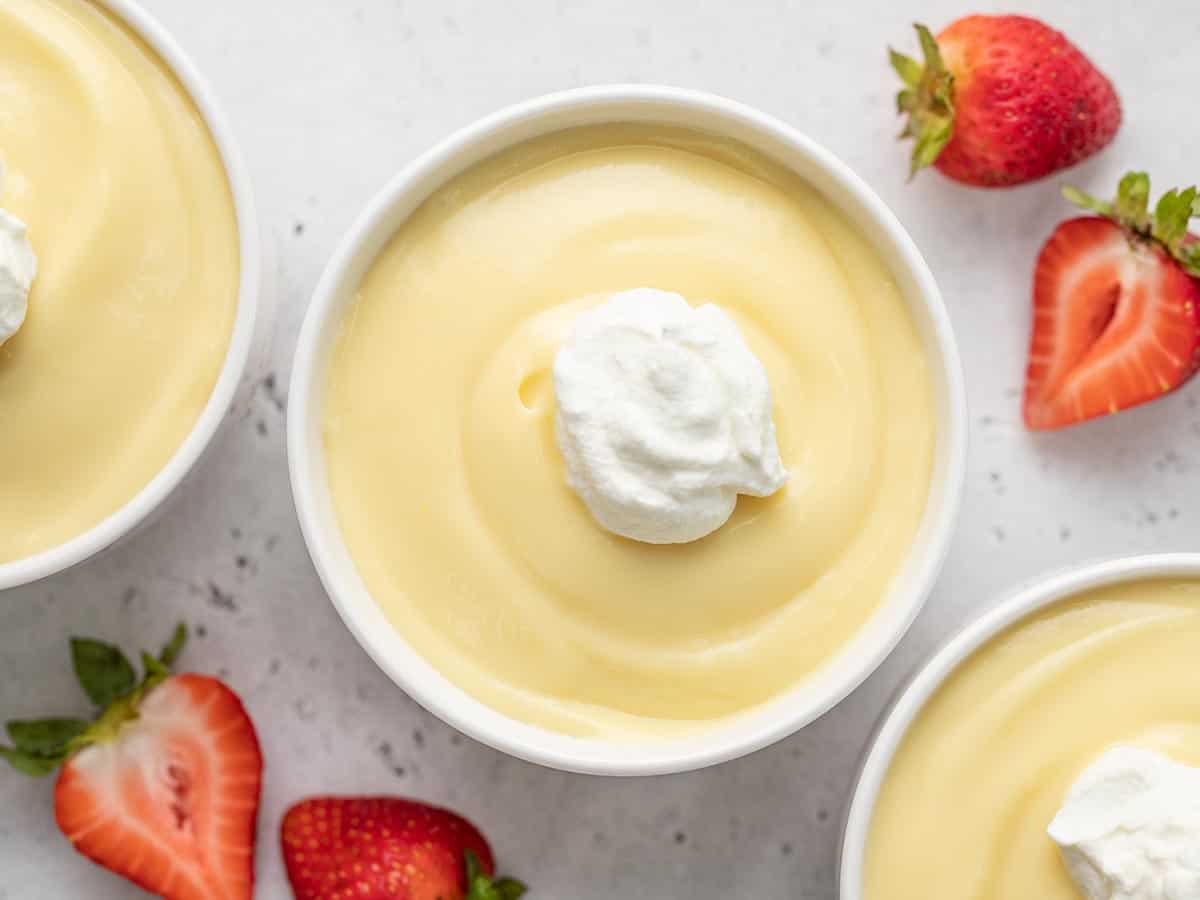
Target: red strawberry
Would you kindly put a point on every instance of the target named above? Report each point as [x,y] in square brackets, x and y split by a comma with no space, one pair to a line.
[1116,305]
[163,787]
[387,848]
[1002,100]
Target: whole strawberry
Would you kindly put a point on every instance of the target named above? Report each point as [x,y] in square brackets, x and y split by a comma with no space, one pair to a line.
[387,848]
[163,786]
[1003,100]
[1116,306]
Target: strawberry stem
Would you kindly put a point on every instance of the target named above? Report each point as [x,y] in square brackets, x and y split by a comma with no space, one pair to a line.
[1167,226]
[481,887]
[1088,202]
[109,680]
[927,99]
[172,649]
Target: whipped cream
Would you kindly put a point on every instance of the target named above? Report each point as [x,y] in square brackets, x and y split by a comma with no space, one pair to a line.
[18,268]
[1130,828]
[664,417]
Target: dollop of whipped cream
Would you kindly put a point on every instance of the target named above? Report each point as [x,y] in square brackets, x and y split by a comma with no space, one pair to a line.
[664,417]
[18,268]
[1129,828]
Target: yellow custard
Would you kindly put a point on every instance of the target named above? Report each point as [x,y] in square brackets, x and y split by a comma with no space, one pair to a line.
[450,489]
[109,163]
[965,806]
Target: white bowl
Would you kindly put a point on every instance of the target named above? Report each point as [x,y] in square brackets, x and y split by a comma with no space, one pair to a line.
[621,103]
[913,695]
[151,497]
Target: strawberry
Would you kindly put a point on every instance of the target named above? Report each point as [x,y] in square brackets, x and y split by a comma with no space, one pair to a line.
[1116,304]
[162,787]
[387,848]
[1002,100]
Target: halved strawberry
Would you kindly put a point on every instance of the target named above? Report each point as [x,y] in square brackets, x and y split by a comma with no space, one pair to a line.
[1116,307]
[163,787]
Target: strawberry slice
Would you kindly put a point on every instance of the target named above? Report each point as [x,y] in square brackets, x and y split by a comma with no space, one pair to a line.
[1116,308]
[163,787]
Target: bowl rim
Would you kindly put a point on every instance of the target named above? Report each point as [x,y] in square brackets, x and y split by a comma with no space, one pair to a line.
[154,493]
[362,616]
[915,691]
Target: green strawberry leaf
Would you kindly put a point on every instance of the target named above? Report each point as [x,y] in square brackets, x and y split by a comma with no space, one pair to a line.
[174,647]
[1172,214]
[906,102]
[102,669]
[155,671]
[1189,258]
[929,48]
[44,737]
[109,680]
[481,887]
[1133,198]
[927,100]
[930,143]
[34,764]
[906,67]
[1088,202]
[1168,226]
[158,668]
[510,889]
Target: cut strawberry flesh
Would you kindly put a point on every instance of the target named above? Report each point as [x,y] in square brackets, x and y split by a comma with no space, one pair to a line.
[171,802]
[1115,325]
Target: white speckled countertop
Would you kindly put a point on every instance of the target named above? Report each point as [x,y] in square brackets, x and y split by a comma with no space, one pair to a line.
[328,100]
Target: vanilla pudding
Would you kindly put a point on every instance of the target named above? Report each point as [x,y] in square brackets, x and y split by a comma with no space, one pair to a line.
[1030,726]
[451,491]
[109,163]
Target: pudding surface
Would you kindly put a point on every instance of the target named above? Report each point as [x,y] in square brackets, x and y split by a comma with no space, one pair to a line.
[985,766]
[111,166]
[450,490]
